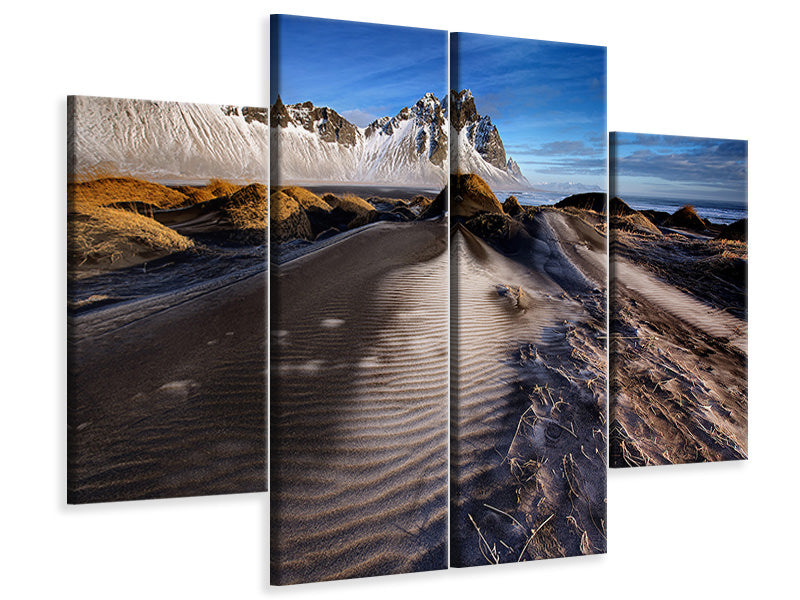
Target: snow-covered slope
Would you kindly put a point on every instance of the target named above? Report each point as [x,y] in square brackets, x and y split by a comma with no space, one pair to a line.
[316,144]
[169,140]
[476,146]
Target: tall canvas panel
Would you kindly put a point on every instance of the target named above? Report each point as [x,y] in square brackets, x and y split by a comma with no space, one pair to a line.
[359,287]
[166,299]
[678,231]
[528,259]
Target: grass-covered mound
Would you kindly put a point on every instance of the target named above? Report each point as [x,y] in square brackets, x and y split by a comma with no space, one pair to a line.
[685,218]
[619,208]
[736,231]
[216,188]
[116,190]
[247,207]
[635,222]
[512,207]
[594,201]
[471,195]
[100,236]
[305,198]
[288,220]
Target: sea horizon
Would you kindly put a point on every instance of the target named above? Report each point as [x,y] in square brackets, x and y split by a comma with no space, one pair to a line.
[722,212]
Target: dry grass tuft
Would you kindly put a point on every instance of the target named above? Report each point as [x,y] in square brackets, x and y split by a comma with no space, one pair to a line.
[100,192]
[686,218]
[112,236]
[247,208]
[220,187]
[215,188]
[349,203]
[472,195]
[305,198]
[287,218]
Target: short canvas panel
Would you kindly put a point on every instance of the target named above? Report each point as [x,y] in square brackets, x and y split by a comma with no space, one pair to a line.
[359,312]
[678,231]
[528,258]
[166,299]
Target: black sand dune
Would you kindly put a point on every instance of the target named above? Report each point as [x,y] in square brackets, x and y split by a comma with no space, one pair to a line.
[167,395]
[528,360]
[359,406]
[679,349]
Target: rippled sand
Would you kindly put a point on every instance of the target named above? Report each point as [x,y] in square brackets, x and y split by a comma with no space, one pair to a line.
[359,407]
[528,399]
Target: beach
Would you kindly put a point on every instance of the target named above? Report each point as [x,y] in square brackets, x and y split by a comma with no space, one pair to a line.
[358,408]
[678,338]
[528,454]
[167,353]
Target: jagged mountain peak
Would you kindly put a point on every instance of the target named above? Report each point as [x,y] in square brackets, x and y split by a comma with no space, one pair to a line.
[462,109]
[408,148]
[321,120]
[513,168]
[477,145]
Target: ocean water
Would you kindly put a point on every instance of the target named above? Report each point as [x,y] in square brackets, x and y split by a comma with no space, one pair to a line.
[719,212]
[532,198]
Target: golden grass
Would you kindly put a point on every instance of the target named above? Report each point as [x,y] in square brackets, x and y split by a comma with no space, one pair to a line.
[349,203]
[104,235]
[215,188]
[196,195]
[220,187]
[476,196]
[100,192]
[247,208]
[305,198]
[282,206]
[288,220]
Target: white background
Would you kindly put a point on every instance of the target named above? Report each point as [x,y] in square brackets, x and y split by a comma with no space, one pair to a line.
[724,69]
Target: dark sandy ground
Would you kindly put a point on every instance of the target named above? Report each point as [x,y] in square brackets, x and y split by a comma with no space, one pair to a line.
[528,450]
[678,349]
[168,395]
[359,406]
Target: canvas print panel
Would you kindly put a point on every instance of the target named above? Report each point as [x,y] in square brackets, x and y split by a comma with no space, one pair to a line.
[359,314]
[528,256]
[679,299]
[166,299]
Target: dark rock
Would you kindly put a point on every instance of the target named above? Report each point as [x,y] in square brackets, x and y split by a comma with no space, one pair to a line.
[656,217]
[735,231]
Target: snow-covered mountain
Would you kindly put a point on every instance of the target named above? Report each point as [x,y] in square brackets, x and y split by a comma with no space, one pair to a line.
[565,187]
[316,144]
[476,146]
[168,140]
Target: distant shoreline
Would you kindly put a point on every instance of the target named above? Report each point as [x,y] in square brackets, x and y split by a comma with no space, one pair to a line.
[719,213]
[366,189]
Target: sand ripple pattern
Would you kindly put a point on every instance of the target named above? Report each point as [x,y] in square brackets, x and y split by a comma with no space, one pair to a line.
[487,401]
[714,322]
[359,419]
[171,403]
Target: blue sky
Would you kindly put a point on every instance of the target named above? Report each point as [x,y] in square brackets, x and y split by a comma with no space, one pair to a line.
[679,167]
[361,70]
[547,99]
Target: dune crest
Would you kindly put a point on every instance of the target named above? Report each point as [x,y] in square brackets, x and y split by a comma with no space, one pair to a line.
[359,406]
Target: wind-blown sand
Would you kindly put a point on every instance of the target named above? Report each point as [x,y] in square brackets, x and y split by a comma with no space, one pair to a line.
[167,349]
[528,394]
[167,395]
[679,349]
[359,406]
